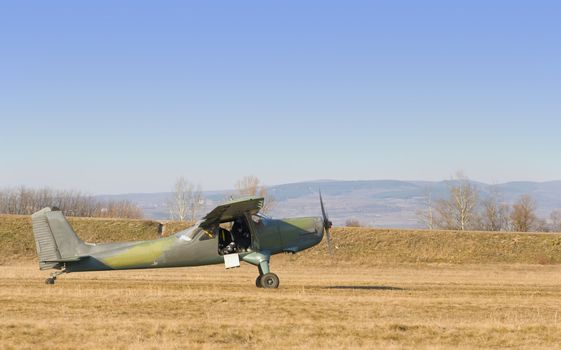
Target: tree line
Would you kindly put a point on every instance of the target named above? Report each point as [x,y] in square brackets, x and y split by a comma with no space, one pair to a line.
[26,201]
[185,204]
[463,209]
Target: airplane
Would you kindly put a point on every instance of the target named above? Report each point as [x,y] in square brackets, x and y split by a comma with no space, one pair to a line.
[252,238]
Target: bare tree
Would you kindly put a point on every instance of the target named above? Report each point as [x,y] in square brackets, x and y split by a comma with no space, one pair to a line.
[458,212]
[25,201]
[523,214]
[250,186]
[187,200]
[178,203]
[495,213]
[117,209]
[197,202]
[541,225]
[556,220]
[426,214]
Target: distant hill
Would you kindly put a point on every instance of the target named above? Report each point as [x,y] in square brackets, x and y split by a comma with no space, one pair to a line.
[382,203]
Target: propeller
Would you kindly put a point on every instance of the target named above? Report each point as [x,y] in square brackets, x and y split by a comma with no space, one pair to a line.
[326,225]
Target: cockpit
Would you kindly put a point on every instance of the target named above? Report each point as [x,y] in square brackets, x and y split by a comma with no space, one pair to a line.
[233,236]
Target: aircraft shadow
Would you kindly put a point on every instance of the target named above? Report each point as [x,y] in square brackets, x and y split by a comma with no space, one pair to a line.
[365,287]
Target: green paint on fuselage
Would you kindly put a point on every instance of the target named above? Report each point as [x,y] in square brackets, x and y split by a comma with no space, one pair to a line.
[290,234]
[144,254]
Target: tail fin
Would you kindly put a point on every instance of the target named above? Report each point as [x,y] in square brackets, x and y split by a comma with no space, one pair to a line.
[55,239]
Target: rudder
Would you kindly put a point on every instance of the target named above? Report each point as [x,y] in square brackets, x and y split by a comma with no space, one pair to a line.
[54,238]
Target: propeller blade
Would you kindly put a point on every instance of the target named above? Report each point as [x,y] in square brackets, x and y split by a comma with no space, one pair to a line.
[329,247]
[326,225]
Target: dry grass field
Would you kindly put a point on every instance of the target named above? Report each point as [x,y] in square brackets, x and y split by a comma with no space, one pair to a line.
[417,306]
[383,288]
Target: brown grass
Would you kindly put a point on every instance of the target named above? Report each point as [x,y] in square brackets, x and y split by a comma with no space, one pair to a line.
[369,246]
[416,306]
[383,289]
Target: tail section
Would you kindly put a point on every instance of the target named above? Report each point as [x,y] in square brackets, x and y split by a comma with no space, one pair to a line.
[55,239]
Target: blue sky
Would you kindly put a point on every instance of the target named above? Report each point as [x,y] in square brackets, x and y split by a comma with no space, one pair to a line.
[125,96]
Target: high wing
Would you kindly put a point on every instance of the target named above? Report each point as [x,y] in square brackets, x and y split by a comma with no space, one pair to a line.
[228,211]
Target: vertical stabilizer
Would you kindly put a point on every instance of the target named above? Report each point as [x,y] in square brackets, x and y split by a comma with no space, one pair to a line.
[44,240]
[55,239]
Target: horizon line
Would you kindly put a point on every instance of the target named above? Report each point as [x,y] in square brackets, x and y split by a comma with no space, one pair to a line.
[334,180]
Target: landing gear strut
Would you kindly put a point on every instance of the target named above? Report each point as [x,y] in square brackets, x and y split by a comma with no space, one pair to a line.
[52,279]
[266,278]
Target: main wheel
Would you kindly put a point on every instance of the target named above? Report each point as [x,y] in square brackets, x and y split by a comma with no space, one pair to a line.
[258,282]
[50,280]
[270,280]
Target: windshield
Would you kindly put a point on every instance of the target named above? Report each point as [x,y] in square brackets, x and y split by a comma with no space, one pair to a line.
[192,232]
[260,218]
[189,233]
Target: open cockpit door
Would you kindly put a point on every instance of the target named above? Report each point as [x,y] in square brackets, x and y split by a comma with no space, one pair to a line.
[231,210]
[237,237]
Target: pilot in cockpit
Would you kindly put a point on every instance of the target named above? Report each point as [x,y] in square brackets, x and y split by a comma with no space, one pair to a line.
[241,234]
[226,244]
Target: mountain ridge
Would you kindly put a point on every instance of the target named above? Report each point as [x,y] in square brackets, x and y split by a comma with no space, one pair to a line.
[383,203]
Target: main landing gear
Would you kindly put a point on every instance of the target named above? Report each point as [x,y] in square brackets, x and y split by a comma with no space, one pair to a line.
[266,278]
[52,279]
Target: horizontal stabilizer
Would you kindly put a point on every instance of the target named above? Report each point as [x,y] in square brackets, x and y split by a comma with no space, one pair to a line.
[63,260]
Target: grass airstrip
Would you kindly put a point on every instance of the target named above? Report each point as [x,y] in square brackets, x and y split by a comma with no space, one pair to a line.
[383,289]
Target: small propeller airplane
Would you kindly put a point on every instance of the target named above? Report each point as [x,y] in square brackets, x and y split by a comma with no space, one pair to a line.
[252,238]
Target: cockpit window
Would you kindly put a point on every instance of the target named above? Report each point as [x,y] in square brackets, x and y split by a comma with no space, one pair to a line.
[207,234]
[260,218]
[189,234]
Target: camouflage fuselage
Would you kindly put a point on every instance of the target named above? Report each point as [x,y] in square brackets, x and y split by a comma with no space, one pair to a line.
[268,237]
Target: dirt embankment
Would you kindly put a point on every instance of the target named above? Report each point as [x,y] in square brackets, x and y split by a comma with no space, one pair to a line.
[366,246]
[375,246]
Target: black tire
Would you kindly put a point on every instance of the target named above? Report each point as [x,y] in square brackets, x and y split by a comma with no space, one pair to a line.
[258,282]
[270,280]
[50,280]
